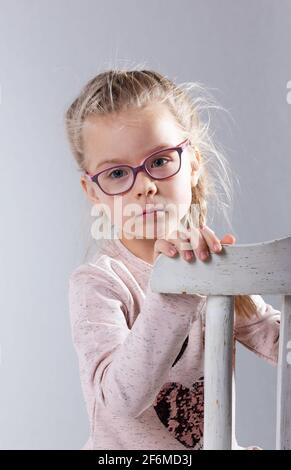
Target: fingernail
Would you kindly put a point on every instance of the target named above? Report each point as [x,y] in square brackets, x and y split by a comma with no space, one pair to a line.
[203,255]
[216,247]
[172,251]
[188,255]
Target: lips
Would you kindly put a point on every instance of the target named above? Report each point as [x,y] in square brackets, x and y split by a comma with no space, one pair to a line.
[150,211]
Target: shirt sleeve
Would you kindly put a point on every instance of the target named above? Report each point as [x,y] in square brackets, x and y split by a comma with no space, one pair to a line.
[260,333]
[125,367]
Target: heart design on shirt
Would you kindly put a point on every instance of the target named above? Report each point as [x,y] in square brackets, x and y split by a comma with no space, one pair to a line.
[181,410]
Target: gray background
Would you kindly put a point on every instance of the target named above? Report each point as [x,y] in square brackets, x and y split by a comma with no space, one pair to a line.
[48,50]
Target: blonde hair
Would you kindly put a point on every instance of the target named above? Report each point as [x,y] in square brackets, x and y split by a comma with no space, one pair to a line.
[116,90]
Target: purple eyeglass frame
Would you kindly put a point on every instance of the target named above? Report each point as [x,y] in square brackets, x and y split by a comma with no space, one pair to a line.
[180,147]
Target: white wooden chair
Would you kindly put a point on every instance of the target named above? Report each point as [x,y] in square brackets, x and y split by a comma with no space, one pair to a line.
[262,268]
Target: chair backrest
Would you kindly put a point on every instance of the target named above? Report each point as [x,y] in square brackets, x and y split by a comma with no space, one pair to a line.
[261,268]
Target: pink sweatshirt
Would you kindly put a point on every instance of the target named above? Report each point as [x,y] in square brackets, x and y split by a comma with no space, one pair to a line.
[141,353]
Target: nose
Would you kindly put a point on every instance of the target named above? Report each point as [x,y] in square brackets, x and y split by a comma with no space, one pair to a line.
[144,185]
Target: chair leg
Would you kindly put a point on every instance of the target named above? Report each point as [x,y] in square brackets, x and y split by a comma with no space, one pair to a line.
[218,373]
[283,430]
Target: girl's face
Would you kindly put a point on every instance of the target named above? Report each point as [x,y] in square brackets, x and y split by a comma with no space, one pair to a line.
[129,138]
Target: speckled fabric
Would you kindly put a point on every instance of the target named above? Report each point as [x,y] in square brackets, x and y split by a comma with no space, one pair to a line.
[141,353]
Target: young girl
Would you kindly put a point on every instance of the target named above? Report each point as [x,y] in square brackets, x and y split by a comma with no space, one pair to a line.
[141,353]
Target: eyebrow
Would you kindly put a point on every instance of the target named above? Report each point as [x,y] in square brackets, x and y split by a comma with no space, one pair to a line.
[117,160]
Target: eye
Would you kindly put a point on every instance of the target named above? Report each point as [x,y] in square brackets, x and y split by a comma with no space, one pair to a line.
[117,172]
[159,159]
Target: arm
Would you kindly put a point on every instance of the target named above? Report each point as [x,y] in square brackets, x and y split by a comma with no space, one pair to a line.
[125,367]
[260,334]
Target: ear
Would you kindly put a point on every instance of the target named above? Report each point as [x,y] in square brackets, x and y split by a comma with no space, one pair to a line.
[89,189]
[195,166]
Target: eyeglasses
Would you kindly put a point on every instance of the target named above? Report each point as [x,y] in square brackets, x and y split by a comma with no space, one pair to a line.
[120,179]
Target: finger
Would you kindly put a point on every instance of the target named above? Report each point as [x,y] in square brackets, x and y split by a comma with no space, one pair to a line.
[228,239]
[194,244]
[198,244]
[203,249]
[165,247]
[213,242]
[183,245]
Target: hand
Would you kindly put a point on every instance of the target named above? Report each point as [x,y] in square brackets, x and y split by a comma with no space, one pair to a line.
[198,241]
